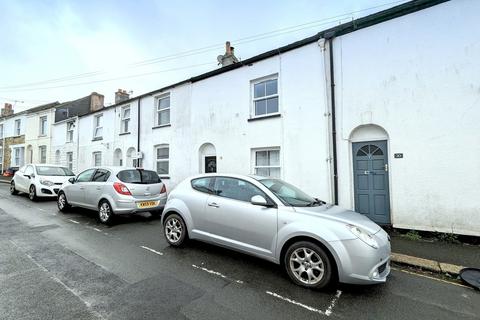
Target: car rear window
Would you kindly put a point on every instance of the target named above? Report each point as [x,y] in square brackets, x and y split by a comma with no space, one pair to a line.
[138,176]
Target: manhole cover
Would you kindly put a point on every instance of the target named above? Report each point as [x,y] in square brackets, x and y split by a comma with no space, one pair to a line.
[471,276]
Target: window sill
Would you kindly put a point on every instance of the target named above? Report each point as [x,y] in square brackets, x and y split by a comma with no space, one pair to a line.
[97,139]
[276,115]
[162,126]
[42,136]
[124,133]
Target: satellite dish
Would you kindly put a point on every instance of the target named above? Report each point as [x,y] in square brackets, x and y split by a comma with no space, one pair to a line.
[219,59]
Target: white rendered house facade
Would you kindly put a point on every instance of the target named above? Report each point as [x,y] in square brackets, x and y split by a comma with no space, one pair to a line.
[402,100]
[38,136]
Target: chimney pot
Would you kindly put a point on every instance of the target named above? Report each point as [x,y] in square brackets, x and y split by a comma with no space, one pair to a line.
[121,95]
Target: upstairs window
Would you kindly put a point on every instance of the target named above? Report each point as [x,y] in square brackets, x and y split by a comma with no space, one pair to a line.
[43,126]
[18,124]
[98,127]
[70,126]
[265,97]
[125,117]
[163,111]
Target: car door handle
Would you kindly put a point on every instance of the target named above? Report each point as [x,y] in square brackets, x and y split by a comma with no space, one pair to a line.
[213,204]
[98,188]
[81,188]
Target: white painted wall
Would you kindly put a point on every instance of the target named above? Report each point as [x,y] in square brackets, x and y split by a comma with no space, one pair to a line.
[216,110]
[417,77]
[59,143]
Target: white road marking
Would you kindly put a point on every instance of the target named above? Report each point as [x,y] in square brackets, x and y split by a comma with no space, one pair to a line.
[332,304]
[328,312]
[296,303]
[152,250]
[73,221]
[216,273]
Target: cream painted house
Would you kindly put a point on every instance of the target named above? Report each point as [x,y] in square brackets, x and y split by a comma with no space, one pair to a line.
[38,133]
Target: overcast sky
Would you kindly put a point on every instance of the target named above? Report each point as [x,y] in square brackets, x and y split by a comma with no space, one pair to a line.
[62,50]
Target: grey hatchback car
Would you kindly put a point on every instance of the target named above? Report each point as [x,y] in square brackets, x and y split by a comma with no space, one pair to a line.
[114,190]
[316,242]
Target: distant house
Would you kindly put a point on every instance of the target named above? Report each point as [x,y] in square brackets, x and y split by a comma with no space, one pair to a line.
[65,132]
[12,130]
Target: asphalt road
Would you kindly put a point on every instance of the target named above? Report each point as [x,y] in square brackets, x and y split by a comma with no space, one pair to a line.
[69,266]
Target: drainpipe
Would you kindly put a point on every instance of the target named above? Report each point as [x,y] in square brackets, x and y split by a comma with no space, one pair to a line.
[139,161]
[329,37]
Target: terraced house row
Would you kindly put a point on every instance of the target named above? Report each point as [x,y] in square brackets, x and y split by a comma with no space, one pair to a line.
[348,115]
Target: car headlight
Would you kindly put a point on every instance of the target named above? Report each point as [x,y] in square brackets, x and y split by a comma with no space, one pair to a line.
[363,235]
[46,183]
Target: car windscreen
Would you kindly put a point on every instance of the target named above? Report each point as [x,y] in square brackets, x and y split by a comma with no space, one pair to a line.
[138,176]
[288,194]
[53,171]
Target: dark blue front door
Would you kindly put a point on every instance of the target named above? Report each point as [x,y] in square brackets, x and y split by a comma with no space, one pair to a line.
[370,167]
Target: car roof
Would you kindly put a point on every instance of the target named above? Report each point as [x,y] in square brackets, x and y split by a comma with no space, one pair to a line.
[45,165]
[116,169]
[230,175]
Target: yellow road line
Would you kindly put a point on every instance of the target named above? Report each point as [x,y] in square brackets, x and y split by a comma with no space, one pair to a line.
[432,278]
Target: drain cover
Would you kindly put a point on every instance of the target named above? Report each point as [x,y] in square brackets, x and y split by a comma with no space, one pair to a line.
[471,276]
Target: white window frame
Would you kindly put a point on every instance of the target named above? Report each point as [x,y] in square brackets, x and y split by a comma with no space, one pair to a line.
[158,110]
[97,126]
[18,127]
[254,160]
[157,160]
[253,99]
[94,155]
[125,120]
[40,149]
[41,127]
[70,160]
[16,156]
[70,130]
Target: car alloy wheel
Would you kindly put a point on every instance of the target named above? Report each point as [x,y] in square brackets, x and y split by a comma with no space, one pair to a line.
[173,230]
[307,266]
[105,212]
[32,193]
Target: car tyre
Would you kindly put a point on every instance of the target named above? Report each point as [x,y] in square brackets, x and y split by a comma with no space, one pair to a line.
[62,202]
[175,230]
[13,191]
[308,265]
[105,212]
[32,193]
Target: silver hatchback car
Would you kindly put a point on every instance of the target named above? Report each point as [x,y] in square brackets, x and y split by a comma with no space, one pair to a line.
[317,243]
[114,190]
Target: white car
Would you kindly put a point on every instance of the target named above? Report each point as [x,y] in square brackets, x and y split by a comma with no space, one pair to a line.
[40,180]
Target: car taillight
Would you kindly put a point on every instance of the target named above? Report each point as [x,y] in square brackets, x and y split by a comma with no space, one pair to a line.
[121,188]
[164,189]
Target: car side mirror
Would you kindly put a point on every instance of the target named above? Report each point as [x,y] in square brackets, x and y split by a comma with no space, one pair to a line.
[258,201]
[27,176]
[72,180]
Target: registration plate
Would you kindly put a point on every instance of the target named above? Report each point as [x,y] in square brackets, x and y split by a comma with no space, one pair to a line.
[147,204]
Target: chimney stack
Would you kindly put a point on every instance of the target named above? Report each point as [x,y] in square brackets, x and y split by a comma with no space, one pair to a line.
[229,57]
[7,110]
[96,101]
[121,95]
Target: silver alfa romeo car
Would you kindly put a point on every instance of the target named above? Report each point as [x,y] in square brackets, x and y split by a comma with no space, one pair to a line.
[317,243]
[113,191]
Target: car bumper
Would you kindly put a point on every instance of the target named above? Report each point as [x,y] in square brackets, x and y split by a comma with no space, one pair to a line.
[361,264]
[130,206]
[45,191]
